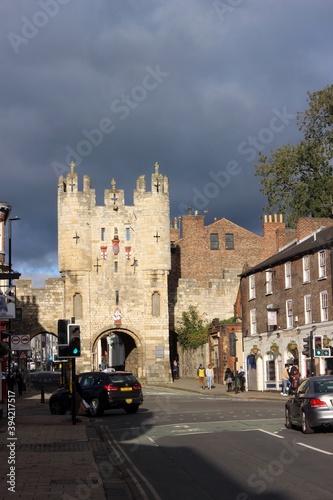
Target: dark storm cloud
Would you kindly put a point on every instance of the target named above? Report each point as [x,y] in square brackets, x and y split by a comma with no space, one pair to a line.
[198,86]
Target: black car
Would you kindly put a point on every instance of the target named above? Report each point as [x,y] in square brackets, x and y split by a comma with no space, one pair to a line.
[312,405]
[101,391]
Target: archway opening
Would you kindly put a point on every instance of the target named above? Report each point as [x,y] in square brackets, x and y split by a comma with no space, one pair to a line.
[117,349]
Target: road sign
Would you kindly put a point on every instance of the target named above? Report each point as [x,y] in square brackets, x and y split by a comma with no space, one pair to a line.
[20,342]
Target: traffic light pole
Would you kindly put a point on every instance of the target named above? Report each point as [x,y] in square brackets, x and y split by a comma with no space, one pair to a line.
[312,365]
[74,420]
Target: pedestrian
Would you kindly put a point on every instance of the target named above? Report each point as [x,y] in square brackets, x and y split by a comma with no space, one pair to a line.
[295,378]
[13,381]
[241,377]
[209,376]
[175,370]
[285,380]
[104,365]
[229,378]
[20,382]
[201,375]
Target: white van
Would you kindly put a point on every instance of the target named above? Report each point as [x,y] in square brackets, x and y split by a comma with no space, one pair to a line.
[31,366]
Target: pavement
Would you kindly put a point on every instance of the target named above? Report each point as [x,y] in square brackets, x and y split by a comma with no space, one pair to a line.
[50,456]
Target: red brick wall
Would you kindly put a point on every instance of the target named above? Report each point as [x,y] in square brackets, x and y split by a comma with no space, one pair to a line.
[198,261]
[308,225]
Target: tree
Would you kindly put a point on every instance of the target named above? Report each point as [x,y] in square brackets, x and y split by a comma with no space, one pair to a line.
[192,329]
[298,179]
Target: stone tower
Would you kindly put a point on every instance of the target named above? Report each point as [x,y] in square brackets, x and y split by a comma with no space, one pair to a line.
[114,260]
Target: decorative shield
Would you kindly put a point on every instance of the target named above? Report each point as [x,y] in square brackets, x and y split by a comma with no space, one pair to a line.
[128,252]
[115,246]
[104,252]
[117,317]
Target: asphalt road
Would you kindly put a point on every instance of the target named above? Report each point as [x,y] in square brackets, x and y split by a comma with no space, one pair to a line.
[181,445]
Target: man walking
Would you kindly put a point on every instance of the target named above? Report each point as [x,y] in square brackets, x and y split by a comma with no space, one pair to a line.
[285,380]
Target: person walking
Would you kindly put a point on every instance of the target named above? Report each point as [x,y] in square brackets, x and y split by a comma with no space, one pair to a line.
[296,376]
[241,377]
[285,380]
[175,370]
[229,378]
[20,382]
[209,376]
[201,375]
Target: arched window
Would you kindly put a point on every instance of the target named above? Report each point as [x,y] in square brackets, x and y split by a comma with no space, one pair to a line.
[77,306]
[156,304]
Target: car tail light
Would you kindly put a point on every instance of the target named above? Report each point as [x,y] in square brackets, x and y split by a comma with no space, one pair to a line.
[137,387]
[110,387]
[315,403]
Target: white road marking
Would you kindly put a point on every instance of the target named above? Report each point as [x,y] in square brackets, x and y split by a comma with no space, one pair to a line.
[152,441]
[262,430]
[315,449]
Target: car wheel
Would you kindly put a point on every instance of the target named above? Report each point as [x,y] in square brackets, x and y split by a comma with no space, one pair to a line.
[306,429]
[132,409]
[288,423]
[56,407]
[95,409]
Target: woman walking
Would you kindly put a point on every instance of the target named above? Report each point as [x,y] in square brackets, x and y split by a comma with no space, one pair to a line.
[209,376]
[229,378]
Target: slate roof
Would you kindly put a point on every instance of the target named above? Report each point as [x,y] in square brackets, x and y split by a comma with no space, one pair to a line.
[320,239]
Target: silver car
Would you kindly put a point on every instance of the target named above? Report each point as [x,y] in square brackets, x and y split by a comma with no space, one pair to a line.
[312,405]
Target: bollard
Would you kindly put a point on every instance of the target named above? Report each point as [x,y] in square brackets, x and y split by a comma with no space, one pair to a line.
[42,395]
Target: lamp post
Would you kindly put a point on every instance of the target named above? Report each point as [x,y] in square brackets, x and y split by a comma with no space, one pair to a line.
[9,284]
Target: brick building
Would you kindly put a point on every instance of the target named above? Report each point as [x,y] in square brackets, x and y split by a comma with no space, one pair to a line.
[206,262]
[284,298]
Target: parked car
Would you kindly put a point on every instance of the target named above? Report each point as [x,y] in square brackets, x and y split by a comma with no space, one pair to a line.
[312,405]
[101,391]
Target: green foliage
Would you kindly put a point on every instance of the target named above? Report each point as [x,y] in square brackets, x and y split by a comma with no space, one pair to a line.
[230,320]
[192,329]
[298,179]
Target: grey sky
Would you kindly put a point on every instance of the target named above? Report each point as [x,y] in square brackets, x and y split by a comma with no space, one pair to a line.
[116,85]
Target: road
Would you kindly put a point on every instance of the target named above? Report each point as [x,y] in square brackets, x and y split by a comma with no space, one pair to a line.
[181,445]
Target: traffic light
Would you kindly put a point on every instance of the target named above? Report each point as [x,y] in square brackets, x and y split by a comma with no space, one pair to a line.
[74,340]
[4,337]
[306,347]
[326,351]
[232,344]
[317,345]
[62,331]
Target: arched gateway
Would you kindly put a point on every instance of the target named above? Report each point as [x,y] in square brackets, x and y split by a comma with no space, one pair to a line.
[118,348]
[114,261]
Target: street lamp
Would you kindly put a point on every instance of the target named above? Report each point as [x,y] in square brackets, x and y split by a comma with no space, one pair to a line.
[10,283]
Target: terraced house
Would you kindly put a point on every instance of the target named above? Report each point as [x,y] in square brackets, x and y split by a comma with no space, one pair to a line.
[284,299]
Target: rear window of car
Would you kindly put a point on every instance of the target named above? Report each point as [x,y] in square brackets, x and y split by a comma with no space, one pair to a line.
[323,387]
[122,378]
